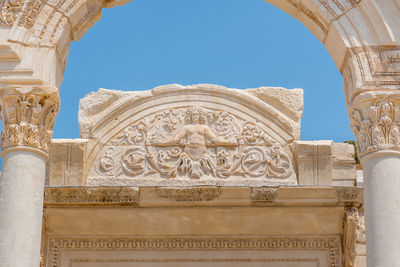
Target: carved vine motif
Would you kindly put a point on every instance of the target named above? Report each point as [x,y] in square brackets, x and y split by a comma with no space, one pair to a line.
[194,142]
[28,117]
[381,130]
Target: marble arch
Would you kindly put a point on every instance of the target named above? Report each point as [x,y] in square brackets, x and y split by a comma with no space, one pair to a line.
[362,36]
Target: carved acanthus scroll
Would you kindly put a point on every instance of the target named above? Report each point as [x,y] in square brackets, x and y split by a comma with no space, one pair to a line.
[193,142]
[380,130]
[28,117]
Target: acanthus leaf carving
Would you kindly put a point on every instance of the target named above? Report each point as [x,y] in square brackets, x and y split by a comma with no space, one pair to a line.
[380,130]
[194,142]
[28,117]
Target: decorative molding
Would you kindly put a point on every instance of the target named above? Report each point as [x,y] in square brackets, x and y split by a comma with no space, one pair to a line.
[57,245]
[348,194]
[380,129]
[189,194]
[28,115]
[202,260]
[91,196]
[30,13]
[263,196]
[9,11]
[350,224]
[193,142]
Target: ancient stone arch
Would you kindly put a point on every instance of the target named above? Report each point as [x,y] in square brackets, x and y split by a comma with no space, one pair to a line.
[362,36]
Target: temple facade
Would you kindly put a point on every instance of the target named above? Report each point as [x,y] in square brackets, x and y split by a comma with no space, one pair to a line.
[200,175]
[183,177]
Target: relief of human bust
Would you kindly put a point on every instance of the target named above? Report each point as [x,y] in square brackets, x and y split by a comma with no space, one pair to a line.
[195,157]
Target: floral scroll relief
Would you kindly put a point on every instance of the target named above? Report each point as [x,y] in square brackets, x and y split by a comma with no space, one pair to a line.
[194,142]
[381,130]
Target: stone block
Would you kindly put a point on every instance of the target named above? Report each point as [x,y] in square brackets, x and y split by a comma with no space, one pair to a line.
[314,162]
[66,162]
[344,168]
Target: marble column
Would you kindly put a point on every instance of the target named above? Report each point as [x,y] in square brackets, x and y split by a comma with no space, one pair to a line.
[382,204]
[377,128]
[28,117]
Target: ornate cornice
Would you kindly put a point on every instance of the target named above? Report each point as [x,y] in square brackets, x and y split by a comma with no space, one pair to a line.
[28,115]
[379,128]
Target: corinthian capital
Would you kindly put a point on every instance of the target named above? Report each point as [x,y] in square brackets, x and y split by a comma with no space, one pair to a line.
[377,126]
[28,115]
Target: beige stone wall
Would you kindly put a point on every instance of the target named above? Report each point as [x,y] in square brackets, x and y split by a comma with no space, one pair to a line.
[198,226]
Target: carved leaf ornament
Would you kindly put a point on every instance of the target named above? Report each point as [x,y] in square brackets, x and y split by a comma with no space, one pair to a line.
[28,118]
[381,130]
[193,142]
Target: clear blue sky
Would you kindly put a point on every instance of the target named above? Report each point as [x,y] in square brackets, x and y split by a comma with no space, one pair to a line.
[234,43]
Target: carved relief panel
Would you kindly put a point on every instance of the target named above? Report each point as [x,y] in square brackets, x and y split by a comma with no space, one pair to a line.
[192,141]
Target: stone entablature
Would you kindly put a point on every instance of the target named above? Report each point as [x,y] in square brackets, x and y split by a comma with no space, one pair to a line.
[295,226]
[85,196]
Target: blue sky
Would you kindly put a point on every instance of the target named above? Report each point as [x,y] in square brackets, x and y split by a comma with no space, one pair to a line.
[234,43]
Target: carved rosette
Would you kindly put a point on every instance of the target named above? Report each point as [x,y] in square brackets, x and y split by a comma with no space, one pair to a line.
[380,129]
[28,117]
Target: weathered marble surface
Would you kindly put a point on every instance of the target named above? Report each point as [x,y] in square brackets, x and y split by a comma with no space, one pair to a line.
[361,36]
[179,135]
[110,225]
[175,134]
[210,166]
